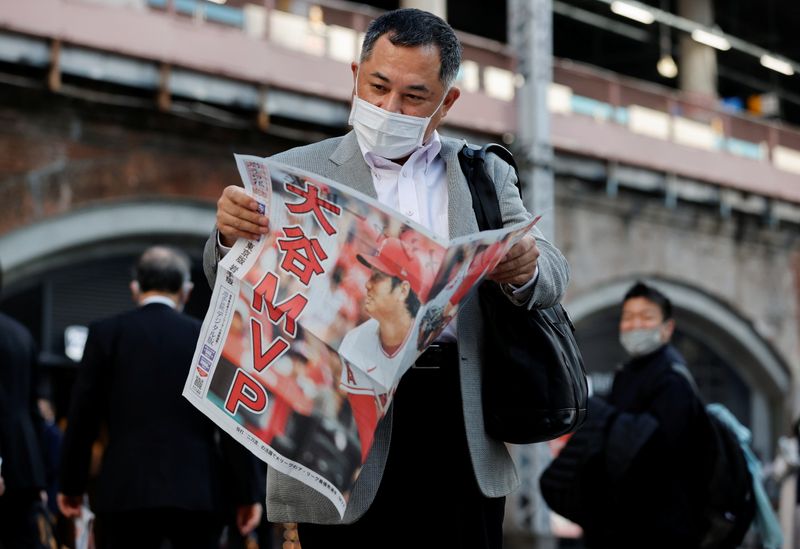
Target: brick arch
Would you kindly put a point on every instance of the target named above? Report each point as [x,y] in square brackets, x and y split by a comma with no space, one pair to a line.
[58,156]
[61,181]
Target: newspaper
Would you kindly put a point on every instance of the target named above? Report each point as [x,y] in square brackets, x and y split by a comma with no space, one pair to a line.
[310,328]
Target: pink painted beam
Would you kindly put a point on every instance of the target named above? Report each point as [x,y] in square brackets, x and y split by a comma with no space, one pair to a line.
[216,50]
[608,141]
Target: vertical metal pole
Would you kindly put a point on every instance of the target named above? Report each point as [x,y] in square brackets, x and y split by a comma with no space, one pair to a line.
[269,7]
[530,33]
[698,62]
[530,37]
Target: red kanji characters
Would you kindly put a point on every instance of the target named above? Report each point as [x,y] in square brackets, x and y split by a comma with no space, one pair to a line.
[314,204]
[303,254]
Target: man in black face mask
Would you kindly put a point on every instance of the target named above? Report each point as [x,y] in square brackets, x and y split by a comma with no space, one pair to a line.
[644,443]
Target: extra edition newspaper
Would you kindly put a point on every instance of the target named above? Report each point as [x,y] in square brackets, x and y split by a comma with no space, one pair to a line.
[310,328]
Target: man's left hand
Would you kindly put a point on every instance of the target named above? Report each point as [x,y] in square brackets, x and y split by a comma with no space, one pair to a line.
[519,264]
[248,517]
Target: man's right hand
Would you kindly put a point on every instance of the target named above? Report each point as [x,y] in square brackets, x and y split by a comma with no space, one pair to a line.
[238,216]
[70,506]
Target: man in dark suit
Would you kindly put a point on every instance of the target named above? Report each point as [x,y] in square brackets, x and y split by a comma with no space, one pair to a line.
[167,473]
[22,475]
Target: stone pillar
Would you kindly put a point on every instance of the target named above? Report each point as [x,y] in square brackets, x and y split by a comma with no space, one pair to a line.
[530,33]
[436,7]
[698,62]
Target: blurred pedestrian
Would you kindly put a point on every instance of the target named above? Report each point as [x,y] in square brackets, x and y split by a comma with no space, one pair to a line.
[640,456]
[163,474]
[22,470]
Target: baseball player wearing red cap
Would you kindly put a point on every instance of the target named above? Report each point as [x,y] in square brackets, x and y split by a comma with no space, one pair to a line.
[392,303]
[377,345]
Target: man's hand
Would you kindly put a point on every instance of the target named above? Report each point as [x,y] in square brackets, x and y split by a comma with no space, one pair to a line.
[238,216]
[248,517]
[2,486]
[519,264]
[70,506]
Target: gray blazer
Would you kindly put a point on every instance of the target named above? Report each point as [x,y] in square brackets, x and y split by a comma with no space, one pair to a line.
[340,159]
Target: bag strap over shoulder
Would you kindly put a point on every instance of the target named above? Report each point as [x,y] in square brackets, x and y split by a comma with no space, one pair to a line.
[481,186]
[493,148]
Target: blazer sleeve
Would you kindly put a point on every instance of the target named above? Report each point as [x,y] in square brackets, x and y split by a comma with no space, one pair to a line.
[86,409]
[554,270]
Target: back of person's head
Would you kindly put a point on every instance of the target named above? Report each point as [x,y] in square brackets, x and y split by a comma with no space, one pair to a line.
[162,269]
[640,289]
[410,27]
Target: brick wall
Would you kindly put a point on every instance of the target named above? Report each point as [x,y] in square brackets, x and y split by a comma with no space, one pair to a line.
[58,154]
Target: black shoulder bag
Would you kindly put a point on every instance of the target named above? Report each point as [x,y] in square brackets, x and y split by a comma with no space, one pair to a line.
[534,382]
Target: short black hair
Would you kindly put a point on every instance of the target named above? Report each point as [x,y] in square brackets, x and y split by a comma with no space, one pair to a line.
[410,27]
[640,289]
[162,269]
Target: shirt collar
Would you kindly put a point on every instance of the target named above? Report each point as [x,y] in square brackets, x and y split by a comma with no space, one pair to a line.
[157,299]
[430,149]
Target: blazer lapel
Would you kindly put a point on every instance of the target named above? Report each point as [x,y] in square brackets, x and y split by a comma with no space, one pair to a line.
[350,168]
[460,218]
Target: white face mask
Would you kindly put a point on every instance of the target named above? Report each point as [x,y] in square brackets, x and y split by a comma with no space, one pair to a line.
[641,342]
[387,134]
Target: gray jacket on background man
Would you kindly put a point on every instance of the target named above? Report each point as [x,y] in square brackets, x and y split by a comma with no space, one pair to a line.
[340,159]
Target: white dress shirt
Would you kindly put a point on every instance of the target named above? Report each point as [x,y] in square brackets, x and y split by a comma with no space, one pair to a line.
[418,188]
[164,300]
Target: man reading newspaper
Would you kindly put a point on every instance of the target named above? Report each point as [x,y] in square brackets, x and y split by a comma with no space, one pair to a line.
[431,460]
